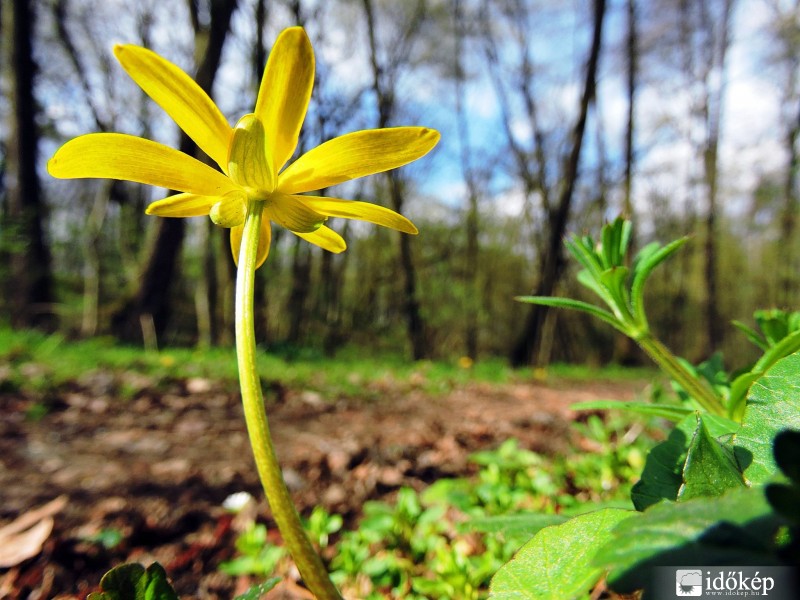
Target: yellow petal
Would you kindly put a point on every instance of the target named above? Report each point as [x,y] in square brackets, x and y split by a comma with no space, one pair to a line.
[182,205]
[182,99]
[264,240]
[364,211]
[293,214]
[249,164]
[130,158]
[284,93]
[325,238]
[355,155]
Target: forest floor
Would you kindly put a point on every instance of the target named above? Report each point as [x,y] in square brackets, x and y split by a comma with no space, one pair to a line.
[154,468]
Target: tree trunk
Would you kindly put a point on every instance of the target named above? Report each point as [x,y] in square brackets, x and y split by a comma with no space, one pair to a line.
[30,292]
[152,301]
[715,90]
[472,293]
[788,271]
[384,76]
[527,348]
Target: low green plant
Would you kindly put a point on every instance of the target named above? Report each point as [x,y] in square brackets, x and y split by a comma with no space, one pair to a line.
[718,491]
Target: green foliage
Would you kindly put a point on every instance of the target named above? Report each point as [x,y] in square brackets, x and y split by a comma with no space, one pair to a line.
[448,541]
[773,405]
[257,556]
[737,528]
[557,563]
[712,493]
[42,363]
[134,582]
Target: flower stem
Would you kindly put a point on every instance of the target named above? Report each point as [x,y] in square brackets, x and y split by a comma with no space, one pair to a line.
[696,388]
[305,557]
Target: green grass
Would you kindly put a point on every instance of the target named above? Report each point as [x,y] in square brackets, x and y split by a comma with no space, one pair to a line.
[38,362]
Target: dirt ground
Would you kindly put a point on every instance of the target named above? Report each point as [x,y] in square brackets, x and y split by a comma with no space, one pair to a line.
[157,466]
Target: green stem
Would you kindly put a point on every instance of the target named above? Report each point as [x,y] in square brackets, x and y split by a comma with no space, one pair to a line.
[697,389]
[305,557]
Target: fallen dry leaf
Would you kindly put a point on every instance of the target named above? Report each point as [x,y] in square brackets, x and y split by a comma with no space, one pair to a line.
[23,538]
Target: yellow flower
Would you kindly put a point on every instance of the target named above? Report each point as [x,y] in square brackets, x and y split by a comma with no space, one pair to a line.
[251,156]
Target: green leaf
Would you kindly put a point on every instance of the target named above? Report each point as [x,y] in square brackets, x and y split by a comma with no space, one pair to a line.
[710,468]
[575,305]
[592,282]
[557,563]
[614,281]
[662,477]
[772,406]
[615,237]
[524,525]
[583,251]
[737,528]
[258,590]
[752,335]
[691,462]
[133,582]
[672,413]
[644,265]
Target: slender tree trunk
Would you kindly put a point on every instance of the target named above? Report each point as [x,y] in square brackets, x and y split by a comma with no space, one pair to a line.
[383,87]
[788,269]
[151,304]
[625,349]
[713,113]
[472,292]
[528,346]
[633,65]
[301,286]
[30,293]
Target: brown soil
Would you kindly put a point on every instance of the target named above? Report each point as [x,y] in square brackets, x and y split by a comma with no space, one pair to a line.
[157,467]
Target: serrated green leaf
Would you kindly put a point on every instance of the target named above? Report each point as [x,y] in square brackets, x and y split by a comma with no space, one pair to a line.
[662,476]
[737,528]
[710,468]
[772,406]
[672,413]
[557,563]
[574,305]
[134,582]
[258,590]
[786,346]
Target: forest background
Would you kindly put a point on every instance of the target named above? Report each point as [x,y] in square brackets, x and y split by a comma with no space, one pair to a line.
[555,117]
